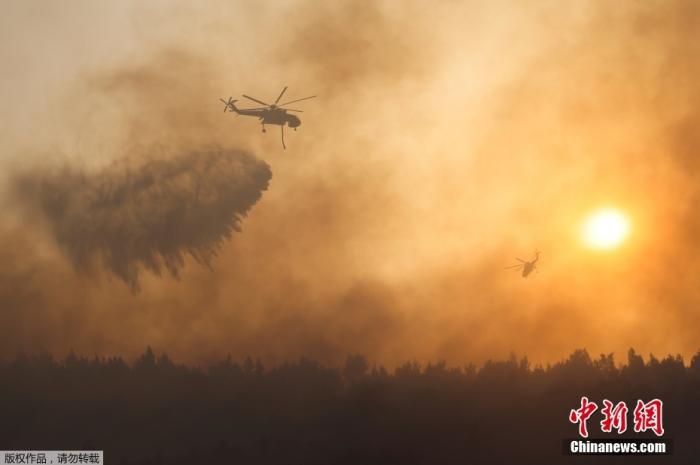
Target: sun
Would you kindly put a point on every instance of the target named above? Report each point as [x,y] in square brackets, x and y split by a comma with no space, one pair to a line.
[606,228]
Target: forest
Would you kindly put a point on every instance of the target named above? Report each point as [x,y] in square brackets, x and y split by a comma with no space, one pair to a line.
[156,411]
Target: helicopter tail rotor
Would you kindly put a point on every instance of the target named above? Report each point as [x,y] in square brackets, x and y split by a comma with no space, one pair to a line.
[229,104]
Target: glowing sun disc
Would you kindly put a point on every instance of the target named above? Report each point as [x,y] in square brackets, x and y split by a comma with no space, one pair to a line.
[605,229]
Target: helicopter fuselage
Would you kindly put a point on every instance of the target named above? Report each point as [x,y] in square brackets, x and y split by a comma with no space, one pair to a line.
[529,267]
[273,116]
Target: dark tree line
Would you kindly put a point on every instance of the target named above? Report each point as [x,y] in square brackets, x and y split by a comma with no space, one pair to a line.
[505,412]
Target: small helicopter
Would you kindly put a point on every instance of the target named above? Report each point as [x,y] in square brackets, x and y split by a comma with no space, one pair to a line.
[269,114]
[527,266]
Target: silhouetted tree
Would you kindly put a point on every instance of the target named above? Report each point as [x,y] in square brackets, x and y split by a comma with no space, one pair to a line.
[356,367]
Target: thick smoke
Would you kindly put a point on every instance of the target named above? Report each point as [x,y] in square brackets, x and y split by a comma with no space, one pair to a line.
[444,143]
[148,216]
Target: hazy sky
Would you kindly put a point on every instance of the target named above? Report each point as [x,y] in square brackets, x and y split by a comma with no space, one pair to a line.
[447,139]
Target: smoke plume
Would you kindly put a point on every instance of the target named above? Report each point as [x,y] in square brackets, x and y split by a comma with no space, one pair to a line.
[151,215]
[444,143]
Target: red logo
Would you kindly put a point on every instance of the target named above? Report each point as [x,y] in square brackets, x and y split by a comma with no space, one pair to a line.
[615,418]
[647,416]
[582,415]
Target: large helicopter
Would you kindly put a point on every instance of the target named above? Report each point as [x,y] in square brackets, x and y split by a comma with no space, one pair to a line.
[269,114]
[527,266]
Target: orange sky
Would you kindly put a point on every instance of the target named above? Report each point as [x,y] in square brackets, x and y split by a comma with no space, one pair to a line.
[444,143]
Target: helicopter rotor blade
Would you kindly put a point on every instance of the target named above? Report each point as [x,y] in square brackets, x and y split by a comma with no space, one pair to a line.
[297,100]
[283,146]
[290,109]
[256,100]
[281,94]
[511,267]
[520,260]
